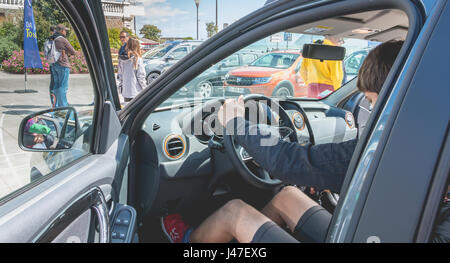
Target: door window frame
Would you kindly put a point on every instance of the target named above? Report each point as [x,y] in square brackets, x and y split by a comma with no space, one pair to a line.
[98,76]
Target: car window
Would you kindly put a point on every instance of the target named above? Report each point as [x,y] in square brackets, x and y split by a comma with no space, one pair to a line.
[231,61]
[248,58]
[281,62]
[179,53]
[65,83]
[354,62]
[158,52]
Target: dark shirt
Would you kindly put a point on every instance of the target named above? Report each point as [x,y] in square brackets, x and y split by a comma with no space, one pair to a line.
[322,166]
[123,51]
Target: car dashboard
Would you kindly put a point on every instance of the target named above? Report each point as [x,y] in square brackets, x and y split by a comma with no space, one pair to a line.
[178,152]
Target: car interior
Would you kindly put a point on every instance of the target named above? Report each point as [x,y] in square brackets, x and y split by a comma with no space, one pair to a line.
[183,163]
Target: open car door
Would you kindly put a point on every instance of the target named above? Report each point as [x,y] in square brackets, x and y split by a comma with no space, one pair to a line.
[77,200]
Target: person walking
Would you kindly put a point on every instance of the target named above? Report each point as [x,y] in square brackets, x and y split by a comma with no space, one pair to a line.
[132,71]
[61,69]
[124,37]
[322,77]
[52,80]
[123,55]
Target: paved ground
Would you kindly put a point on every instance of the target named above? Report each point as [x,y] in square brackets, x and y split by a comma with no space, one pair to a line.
[14,162]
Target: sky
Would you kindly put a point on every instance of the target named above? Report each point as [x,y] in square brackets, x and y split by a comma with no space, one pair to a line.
[176,18]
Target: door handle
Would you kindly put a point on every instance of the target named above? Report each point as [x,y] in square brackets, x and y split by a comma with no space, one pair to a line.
[93,200]
[100,208]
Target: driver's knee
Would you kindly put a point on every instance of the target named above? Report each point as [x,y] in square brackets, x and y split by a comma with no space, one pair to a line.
[235,211]
[291,203]
[287,194]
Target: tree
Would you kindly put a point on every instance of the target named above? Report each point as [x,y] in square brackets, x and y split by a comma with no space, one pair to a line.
[51,11]
[188,38]
[211,29]
[114,36]
[151,32]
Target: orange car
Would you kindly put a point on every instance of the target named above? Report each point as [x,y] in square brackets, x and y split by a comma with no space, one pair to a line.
[274,74]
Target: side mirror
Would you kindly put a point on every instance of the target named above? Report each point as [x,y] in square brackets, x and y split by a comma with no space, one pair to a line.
[50,130]
[169,58]
[323,52]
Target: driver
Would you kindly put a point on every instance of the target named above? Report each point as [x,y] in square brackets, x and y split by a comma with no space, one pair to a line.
[322,166]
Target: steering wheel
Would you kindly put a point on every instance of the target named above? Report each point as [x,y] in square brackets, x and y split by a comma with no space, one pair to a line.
[240,158]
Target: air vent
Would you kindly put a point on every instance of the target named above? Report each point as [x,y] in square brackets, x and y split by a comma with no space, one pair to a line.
[174,146]
[156,127]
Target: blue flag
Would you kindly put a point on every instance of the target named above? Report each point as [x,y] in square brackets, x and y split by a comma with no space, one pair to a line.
[30,47]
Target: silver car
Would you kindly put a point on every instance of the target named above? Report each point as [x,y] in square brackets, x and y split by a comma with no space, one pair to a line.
[165,56]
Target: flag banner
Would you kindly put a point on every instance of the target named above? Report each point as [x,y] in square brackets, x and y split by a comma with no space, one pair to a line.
[30,46]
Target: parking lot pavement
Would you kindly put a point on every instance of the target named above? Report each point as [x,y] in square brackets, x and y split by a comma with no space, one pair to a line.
[14,162]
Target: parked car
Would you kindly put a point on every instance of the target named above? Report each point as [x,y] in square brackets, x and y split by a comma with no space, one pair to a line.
[144,160]
[210,82]
[165,56]
[353,62]
[274,74]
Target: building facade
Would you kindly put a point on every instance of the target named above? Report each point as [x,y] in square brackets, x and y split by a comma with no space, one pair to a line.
[122,14]
[118,13]
[9,9]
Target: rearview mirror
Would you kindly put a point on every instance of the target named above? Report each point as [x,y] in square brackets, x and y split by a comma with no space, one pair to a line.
[49,131]
[323,52]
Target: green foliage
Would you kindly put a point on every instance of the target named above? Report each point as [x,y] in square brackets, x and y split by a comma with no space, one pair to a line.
[6,49]
[114,40]
[151,32]
[15,64]
[73,40]
[188,38]
[211,29]
[114,36]
[10,32]
[46,14]
[51,11]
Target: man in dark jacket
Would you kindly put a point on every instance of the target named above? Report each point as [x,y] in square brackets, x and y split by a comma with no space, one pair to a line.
[123,55]
[124,36]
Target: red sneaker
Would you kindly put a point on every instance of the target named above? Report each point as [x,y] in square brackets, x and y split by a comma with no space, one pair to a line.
[174,228]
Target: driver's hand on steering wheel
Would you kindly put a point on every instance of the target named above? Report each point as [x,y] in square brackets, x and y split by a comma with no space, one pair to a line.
[231,109]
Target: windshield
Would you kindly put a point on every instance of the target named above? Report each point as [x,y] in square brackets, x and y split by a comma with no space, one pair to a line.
[276,60]
[274,67]
[158,52]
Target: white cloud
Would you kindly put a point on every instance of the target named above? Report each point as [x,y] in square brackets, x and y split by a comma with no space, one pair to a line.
[163,11]
[160,8]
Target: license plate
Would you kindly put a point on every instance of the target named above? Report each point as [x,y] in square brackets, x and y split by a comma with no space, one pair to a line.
[235,90]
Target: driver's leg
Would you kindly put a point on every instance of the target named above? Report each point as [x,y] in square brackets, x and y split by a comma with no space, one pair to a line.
[240,221]
[307,220]
[235,219]
[288,206]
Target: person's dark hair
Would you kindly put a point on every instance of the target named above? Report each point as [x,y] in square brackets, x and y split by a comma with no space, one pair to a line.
[52,28]
[123,31]
[377,65]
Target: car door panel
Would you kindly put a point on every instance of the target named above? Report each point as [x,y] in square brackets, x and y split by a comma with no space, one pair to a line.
[23,218]
[70,203]
[410,161]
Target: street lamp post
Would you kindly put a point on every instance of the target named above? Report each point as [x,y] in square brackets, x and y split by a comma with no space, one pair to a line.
[197,3]
[217,15]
